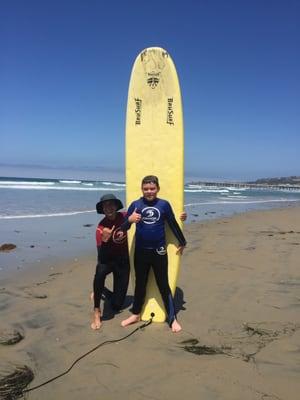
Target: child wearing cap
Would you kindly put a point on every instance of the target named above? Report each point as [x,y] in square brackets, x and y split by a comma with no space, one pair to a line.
[112,255]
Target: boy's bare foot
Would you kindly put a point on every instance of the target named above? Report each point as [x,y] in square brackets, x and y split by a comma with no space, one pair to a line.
[96,323]
[131,320]
[176,327]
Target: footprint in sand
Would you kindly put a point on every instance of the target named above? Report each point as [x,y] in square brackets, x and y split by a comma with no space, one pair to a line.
[31,292]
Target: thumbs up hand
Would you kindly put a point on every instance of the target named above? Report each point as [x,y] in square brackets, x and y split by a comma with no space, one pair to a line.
[135,217]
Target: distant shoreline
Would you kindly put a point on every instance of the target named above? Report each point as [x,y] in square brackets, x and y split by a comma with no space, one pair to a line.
[273,182]
[250,185]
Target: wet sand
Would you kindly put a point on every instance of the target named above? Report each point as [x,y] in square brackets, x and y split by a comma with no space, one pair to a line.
[238,301]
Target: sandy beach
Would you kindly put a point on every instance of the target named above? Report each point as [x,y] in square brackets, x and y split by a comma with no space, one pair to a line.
[238,301]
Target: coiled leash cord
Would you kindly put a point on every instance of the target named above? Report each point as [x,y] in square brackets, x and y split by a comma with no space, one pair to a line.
[147,323]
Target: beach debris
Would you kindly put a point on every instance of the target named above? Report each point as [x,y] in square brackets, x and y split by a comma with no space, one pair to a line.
[269,330]
[13,380]
[193,346]
[87,225]
[39,296]
[7,247]
[250,248]
[243,343]
[272,233]
[31,292]
[9,337]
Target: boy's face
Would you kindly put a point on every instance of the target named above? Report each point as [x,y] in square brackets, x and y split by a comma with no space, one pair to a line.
[110,209]
[150,191]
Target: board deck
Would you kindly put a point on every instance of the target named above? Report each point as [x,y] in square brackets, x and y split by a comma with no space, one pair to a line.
[155,146]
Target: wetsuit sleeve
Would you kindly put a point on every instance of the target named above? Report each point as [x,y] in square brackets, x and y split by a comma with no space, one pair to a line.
[126,224]
[173,224]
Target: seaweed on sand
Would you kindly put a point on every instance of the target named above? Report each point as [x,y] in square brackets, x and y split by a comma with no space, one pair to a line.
[13,380]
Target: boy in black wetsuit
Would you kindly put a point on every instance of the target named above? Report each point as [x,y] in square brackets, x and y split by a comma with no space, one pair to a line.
[149,213]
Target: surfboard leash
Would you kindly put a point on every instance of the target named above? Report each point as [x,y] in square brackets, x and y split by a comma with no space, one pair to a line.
[144,325]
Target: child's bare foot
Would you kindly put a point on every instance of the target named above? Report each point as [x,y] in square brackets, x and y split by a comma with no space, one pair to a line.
[131,320]
[176,327]
[92,296]
[96,323]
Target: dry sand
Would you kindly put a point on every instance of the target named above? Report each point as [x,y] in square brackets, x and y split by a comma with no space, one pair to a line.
[238,295]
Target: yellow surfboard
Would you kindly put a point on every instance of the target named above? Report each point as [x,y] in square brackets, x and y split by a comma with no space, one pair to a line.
[155,146]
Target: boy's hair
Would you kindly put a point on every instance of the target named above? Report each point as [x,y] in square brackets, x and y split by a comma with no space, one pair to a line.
[150,179]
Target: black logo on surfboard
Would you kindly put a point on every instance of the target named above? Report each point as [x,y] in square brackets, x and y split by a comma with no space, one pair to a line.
[153,61]
[138,110]
[153,80]
[170,112]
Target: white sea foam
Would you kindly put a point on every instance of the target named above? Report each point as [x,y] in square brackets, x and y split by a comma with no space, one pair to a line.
[113,184]
[206,190]
[31,183]
[237,197]
[67,181]
[240,202]
[237,188]
[32,187]
[195,186]
[45,215]
[215,188]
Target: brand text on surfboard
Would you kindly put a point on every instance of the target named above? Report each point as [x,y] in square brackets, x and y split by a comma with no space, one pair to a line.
[170,112]
[138,111]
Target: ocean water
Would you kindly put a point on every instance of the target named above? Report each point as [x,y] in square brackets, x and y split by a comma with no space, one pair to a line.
[22,198]
[50,220]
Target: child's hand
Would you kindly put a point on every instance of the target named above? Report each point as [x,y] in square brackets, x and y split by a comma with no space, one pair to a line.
[134,217]
[106,233]
[183,216]
[180,250]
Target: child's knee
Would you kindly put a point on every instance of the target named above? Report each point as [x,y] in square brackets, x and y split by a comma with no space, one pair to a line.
[100,276]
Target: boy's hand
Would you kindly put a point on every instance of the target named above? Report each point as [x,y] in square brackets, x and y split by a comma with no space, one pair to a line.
[134,217]
[106,233]
[180,250]
[183,216]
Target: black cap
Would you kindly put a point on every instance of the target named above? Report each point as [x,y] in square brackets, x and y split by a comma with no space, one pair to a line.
[106,197]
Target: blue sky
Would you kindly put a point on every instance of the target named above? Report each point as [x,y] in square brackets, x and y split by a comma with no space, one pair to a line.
[65,68]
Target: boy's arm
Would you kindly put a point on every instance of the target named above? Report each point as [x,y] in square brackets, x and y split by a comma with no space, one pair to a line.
[173,224]
[175,228]
[127,223]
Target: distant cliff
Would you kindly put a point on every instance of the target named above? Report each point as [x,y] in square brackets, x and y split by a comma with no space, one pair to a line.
[289,180]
